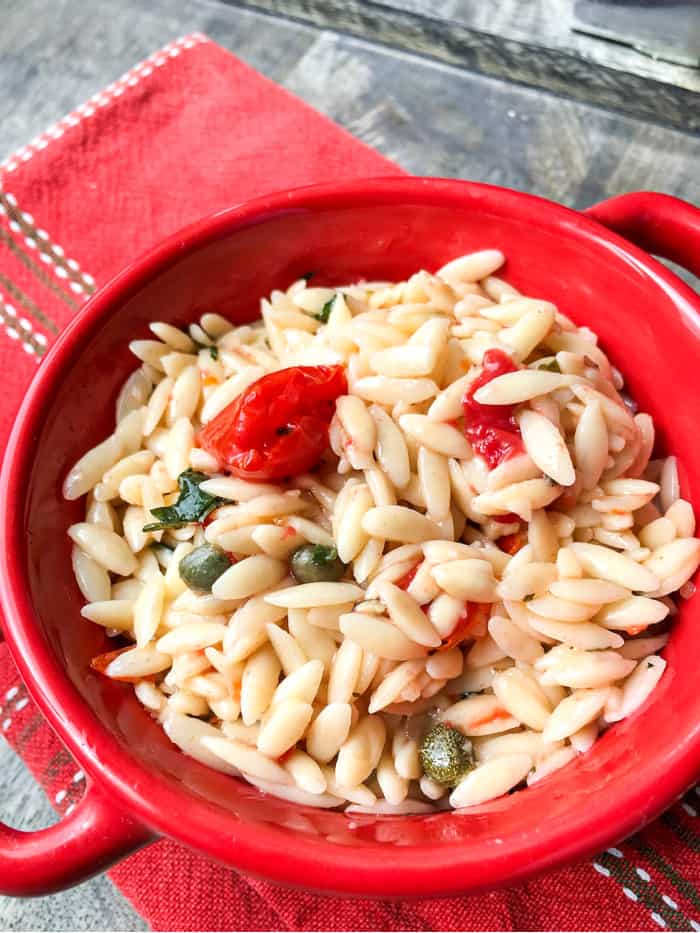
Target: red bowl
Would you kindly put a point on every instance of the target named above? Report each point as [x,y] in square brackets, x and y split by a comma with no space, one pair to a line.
[140,786]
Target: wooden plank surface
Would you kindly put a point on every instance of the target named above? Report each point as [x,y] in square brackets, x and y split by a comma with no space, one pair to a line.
[531,43]
[551,23]
[429,117]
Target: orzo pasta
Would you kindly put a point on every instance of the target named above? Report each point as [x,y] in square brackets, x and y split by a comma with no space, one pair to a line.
[398,546]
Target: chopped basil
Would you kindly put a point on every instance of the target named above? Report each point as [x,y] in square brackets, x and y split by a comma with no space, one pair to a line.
[308,275]
[213,350]
[193,504]
[325,311]
[551,367]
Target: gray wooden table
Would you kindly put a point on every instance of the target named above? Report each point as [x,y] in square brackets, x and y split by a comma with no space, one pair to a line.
[428,89]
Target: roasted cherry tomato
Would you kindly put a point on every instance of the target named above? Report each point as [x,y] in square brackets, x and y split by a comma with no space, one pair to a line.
[508,518]
[471,624]
[405,581]
[101,662]
[278,426]
[492,430]
[511,544]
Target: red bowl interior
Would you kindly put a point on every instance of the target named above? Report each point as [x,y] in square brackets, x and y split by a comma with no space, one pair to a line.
[647,322]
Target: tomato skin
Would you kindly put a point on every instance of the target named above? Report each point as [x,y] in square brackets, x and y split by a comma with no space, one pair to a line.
[405,581]
[508,518]
[511,544]
[492,430]
[278,426]
[470,624]
[101,662]
[492,717]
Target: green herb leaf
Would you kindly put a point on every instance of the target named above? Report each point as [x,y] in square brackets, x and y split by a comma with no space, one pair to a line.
[213,350]
[325,311]
[551,367]
[193,504]
[308,275]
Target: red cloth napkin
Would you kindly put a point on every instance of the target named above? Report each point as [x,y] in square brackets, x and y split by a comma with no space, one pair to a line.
[188,131]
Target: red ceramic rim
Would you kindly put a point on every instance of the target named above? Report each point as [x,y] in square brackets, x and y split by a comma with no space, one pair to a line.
[196,823]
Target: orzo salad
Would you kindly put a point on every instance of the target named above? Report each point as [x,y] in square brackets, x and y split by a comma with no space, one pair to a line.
[395,547]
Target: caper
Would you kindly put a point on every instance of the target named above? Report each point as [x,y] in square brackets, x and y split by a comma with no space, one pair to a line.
[446,755]
[203,566]
[315,563]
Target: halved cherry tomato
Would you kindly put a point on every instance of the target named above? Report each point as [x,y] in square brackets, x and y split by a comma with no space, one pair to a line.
[278,426]
[101,662]
[507,518]
[405,581]
[472,622]
[492,430]
[511,544]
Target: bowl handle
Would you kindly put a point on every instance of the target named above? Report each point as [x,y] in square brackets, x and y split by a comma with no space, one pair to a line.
[85,842]
[659,223]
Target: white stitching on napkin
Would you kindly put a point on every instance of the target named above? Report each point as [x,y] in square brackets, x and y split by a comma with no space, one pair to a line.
[20,329]
[48,252]
[130,79]
[646,877]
